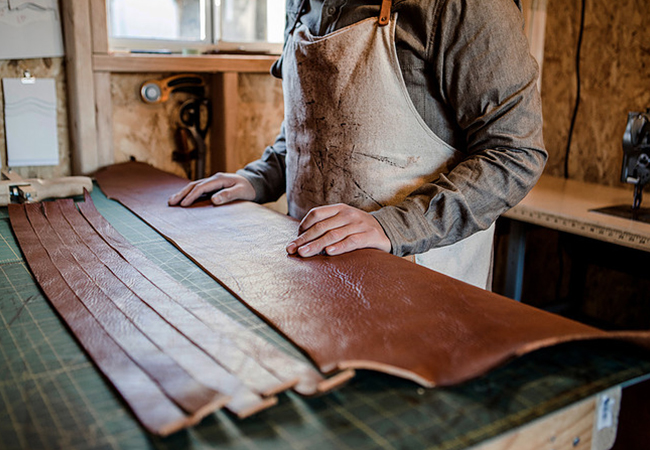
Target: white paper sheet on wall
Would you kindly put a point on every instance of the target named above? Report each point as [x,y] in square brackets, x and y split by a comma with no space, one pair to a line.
[30,29]
[30,122]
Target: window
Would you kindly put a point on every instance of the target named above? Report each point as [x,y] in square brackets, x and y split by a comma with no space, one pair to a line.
[176,25]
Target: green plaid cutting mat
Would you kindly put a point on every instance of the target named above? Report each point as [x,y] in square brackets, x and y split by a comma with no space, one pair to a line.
[51,395]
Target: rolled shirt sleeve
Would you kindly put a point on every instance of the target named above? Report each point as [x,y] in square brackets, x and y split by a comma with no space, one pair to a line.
[482,70]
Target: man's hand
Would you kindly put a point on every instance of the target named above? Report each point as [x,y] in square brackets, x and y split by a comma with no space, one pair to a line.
[227,187]
[338,229]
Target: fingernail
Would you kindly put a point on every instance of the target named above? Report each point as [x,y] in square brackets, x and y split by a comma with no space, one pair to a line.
[291,248]
[216,199]
[304,250]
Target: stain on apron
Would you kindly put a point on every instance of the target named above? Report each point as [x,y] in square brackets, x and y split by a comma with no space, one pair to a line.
[354,136]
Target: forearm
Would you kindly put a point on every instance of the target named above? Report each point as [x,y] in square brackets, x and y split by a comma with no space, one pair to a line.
[483,72]
[468,199]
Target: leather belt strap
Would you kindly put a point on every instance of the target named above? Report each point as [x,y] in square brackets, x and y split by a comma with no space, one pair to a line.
[150,311]
[310,382]
[365,309]
[189,351]
[155,411]
[193,397]
[384,14]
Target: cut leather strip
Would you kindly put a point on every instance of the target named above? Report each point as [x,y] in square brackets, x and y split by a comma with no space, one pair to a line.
[134,295]
[366,309]
[153,409]
[194,398]
[282,365]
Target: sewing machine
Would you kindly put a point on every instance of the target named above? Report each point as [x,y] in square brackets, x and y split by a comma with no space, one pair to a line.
[636,154]
[636,166]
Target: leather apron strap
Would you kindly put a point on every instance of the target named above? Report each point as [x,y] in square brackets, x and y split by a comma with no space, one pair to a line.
[384,14]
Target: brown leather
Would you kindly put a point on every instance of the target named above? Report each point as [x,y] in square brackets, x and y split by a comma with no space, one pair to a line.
[310,382]
[193,397]
[155,411]
[192,345]
[365,309]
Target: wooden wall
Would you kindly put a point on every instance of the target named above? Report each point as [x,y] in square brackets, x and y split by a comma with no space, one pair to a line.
[260,114]
[615,79]
[606,284]
[140,130]
[146,131]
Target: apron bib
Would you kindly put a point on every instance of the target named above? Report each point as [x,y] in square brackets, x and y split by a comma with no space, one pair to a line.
[354,136]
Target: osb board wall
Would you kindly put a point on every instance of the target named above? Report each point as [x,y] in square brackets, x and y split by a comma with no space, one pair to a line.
[260,114]
[601,282]
[615,76]
[144,131]
[40,68]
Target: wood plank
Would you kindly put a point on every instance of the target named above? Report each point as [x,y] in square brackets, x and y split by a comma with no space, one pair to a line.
[223,141]
[125,62]
[567,428]
[99,26]
[81,85]
[104,110]
[575,427]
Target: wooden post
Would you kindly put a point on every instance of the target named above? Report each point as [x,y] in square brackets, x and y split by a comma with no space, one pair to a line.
[223,141]
[81,85]
[99,26]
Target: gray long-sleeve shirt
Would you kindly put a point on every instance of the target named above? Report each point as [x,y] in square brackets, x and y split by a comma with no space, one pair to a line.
[468,70]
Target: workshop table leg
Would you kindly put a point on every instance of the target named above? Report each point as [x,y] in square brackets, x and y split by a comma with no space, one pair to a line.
[514,277]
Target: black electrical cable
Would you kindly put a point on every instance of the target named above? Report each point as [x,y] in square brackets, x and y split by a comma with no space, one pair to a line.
[577,103]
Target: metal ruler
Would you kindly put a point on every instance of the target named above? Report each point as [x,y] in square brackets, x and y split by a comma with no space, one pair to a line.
[580,227]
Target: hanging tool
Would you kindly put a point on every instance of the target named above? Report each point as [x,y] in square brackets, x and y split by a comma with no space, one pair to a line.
[15,189]
[636,166]
[194,120]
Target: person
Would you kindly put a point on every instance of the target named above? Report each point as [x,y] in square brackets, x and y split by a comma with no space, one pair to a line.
[409,128]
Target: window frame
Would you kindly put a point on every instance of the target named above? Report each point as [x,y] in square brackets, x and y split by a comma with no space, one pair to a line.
[205,45]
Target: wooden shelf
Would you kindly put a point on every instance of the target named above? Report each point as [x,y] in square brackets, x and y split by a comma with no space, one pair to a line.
[125,62]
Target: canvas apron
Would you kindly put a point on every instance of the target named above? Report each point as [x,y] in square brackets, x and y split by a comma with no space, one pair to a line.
[353,135]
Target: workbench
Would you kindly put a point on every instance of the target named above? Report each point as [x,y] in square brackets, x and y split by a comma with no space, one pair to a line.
[569,206]
[52,396]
